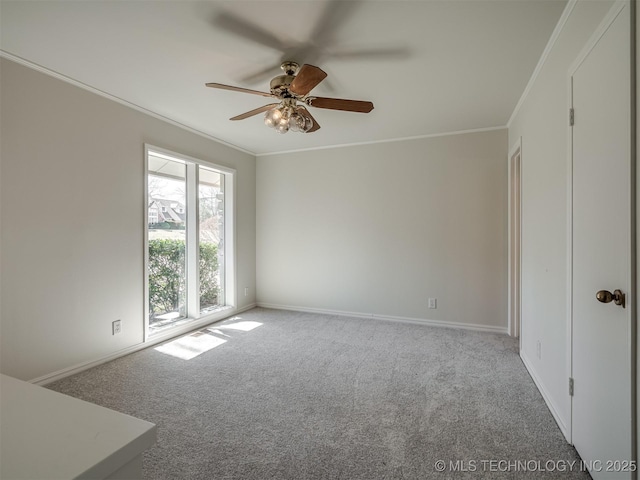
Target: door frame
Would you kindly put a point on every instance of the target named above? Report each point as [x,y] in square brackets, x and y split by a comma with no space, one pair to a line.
[635,211]
[514,251]
[633,287]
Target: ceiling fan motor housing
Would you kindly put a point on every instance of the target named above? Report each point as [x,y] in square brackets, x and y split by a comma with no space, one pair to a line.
[280,86]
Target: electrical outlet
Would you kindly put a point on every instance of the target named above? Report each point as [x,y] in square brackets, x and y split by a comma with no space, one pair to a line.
[246,291]
[116,327]
[433,303]
[539,350]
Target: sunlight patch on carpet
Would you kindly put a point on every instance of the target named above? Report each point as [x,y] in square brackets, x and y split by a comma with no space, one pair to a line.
[245,326]
[190,346]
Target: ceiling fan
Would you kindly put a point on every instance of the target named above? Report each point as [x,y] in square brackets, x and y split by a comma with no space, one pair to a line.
[321,43]
[291,89]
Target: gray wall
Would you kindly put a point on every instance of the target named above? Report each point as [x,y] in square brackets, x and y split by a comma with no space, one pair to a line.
[542,122]
[73,217]
[378,229]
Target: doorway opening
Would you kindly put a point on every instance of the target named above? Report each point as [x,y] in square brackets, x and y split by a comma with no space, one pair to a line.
[515,238]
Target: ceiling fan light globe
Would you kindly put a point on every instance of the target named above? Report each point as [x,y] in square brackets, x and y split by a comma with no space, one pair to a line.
[272,117]
[307,124]
[294,122]
[282,128]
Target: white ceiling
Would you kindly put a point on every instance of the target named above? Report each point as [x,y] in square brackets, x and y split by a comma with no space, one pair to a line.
[451,65]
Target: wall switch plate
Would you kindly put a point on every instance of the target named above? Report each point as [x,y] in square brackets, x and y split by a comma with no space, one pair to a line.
[246,291]
[116,327]
[433,303]
[539,350]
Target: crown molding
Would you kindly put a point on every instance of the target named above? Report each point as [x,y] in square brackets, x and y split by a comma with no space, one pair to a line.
[543,58]
[390,140]
[121,101]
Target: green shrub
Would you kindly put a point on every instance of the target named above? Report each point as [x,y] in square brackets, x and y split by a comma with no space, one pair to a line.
[209,288]
[167,286]
[160,226]
[167,226]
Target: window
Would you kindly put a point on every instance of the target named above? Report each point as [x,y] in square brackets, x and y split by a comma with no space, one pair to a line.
[211,238]
[188,240]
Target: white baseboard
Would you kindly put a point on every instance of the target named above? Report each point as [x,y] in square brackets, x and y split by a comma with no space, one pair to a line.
[391,318]
[66,372]
[246,307]
[547,398]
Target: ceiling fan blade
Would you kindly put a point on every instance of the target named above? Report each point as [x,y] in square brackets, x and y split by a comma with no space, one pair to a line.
[306,79]
[340,104]
[374,53]
[334,14]
[254,112]
[243,28]
[305,113]
[262,75]
[238,89]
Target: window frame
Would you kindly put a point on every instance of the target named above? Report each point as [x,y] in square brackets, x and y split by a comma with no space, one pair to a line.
[194,318]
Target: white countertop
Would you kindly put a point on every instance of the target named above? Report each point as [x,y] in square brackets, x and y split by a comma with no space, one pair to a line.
[48,435]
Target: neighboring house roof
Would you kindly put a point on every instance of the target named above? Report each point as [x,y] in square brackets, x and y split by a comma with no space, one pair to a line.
[173,210]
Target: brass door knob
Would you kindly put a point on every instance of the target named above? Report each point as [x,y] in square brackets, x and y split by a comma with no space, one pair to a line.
[605,296]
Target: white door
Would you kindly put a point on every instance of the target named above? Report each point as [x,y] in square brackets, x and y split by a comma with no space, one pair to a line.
[601,339]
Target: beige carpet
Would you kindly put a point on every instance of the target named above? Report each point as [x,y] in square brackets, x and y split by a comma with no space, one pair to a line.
[287,395]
